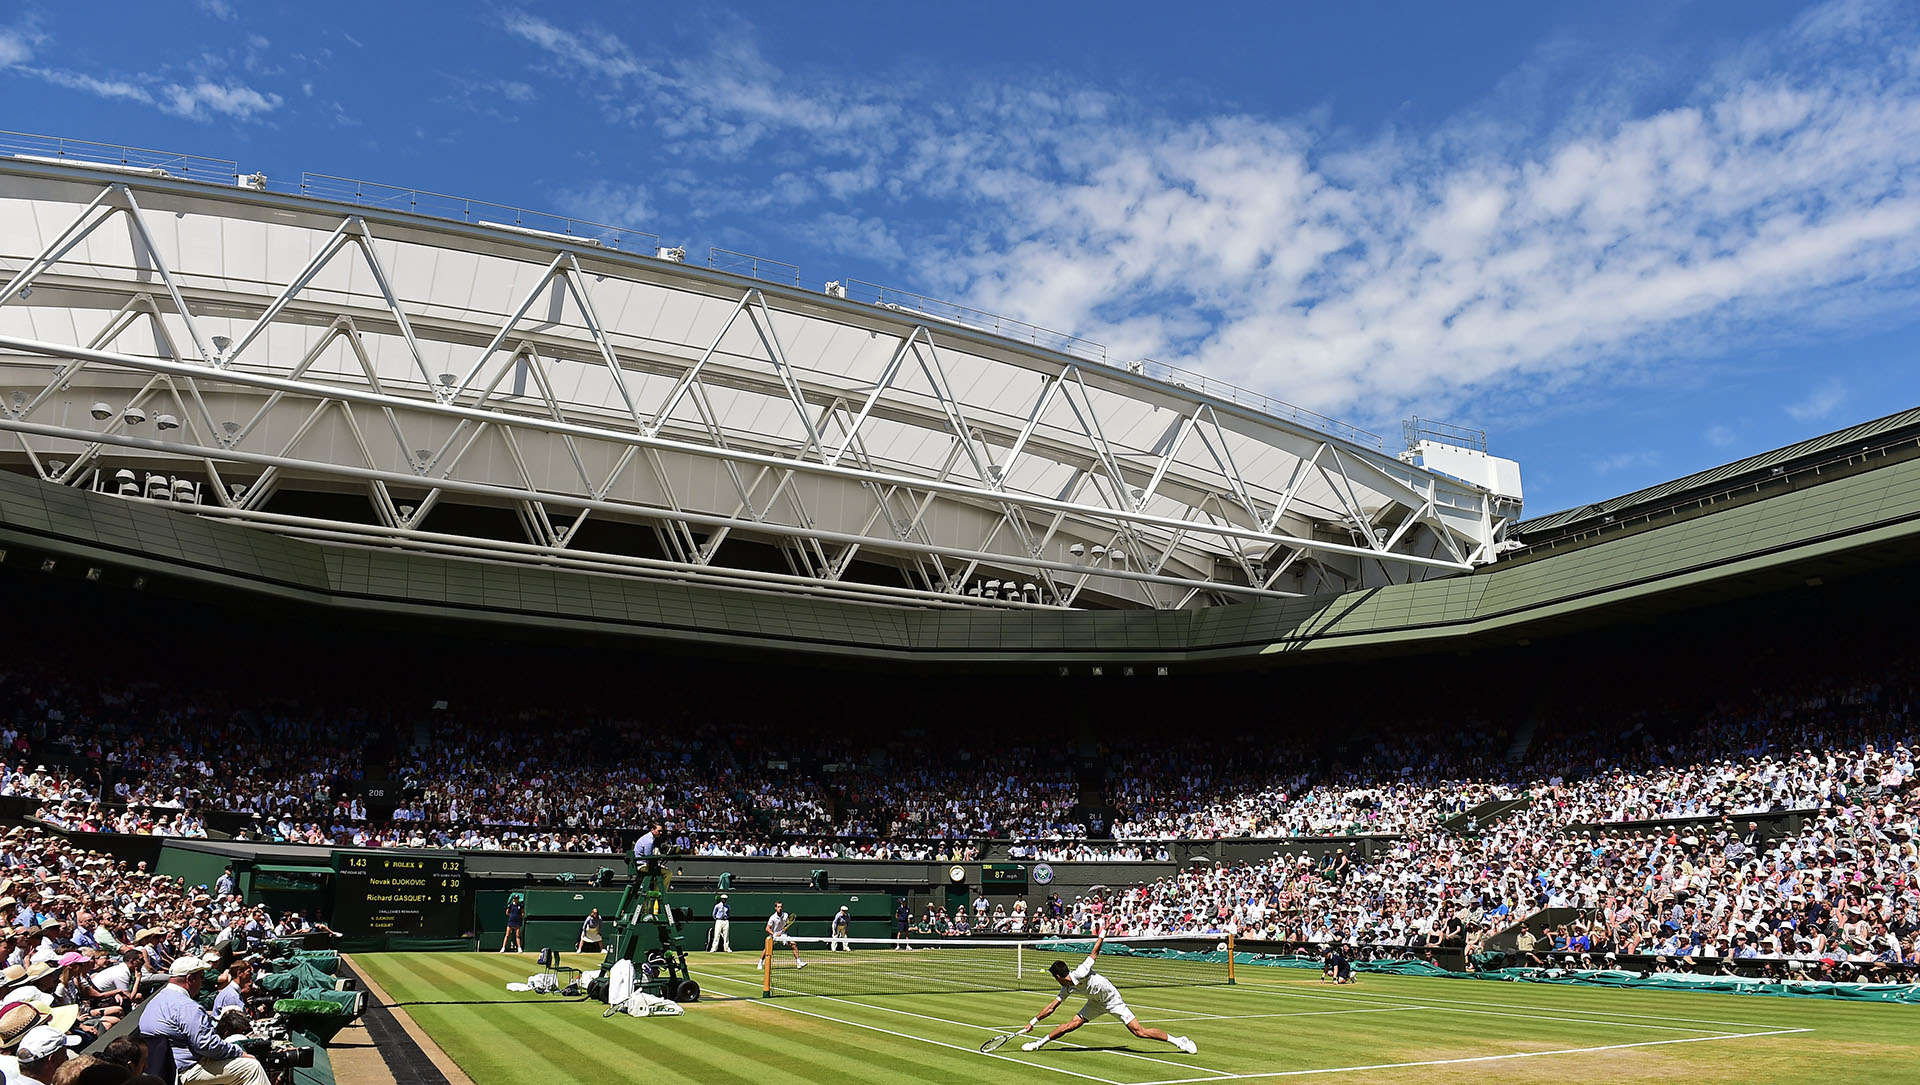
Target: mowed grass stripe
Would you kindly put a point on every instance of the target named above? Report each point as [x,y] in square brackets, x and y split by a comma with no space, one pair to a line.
[744,1039]
[789,1044]
[494,1037]
[695,1047]
[952,1045]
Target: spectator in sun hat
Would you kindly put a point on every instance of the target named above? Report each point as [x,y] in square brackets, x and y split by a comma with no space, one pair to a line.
[18,1015]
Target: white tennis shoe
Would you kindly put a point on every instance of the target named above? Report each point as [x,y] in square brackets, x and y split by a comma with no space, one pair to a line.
[1184,1044]
[1032,1045]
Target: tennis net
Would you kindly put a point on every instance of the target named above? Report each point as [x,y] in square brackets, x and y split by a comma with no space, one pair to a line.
[875,966]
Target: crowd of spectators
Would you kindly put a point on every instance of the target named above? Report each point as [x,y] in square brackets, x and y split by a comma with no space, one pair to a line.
[1838,895]
[83,936]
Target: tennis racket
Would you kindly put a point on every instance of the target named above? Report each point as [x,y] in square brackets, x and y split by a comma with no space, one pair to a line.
[994,1043]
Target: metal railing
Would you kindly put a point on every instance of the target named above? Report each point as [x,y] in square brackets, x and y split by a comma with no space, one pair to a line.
[753,267]
[478,212]
[1259,401]
[905,301]
[176,163]
[1417,429]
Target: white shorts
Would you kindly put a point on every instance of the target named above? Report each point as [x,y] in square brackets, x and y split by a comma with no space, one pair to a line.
[1099,1004]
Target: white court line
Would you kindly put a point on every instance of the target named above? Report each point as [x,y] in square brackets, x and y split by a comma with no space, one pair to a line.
[922,1039]
[1451,1006]
[1476,1058]
[1196,1015]
[1258,1016]
[990,1028]
[1287,989]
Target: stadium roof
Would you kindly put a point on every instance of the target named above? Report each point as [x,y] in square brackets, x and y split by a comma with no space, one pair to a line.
[1857,516]
[1892,429]
[654,419]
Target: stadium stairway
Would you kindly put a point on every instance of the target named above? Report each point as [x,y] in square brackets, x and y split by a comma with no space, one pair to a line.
[1522,740]
[1482,815]
[1537,922]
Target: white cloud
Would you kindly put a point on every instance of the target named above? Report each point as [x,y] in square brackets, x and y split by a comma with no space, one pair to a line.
[219,9]
[1818,403]
[114,89]
[591,52]
[200,100]
[14,47]
[1476,260]
[203,98]
[1720,436]
[1622,461]
[625,205]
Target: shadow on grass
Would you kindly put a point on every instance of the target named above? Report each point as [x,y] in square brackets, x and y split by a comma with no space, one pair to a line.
[486,1002]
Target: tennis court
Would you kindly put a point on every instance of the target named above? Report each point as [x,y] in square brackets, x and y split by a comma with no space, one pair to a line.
[922,1017]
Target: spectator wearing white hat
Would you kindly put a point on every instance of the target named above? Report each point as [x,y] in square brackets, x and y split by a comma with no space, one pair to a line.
[42,1051]
[199,1053]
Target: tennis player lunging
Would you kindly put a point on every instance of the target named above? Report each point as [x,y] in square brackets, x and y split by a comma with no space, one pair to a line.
[1102,997]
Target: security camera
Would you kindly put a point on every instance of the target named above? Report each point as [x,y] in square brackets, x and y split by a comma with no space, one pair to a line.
[100,412]
[133,416]
[166,422]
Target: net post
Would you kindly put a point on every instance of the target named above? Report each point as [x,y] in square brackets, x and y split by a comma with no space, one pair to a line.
[766,970]
[1230,956]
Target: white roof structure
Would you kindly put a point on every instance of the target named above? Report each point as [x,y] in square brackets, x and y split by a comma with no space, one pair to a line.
[703,426]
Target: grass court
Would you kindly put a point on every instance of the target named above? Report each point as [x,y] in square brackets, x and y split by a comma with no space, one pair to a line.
[1273,1024]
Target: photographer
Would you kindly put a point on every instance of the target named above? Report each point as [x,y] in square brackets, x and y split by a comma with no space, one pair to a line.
[239,985]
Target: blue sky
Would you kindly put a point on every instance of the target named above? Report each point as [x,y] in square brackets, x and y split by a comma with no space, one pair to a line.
[1630,240]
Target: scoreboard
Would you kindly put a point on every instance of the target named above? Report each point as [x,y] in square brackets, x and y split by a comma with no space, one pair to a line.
[418,895]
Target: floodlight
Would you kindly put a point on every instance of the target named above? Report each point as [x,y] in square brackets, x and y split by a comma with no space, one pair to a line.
[124,485]
[1076,549]
[100,412]
[133,416]
[167,422]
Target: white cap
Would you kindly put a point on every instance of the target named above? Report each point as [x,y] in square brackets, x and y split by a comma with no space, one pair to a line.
[187,966]
[41,1041]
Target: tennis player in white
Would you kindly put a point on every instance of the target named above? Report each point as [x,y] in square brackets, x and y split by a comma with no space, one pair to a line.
[777,925]
[1101,997]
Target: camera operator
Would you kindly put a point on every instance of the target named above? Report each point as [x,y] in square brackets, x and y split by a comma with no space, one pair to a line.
[199,1052]
[239,985]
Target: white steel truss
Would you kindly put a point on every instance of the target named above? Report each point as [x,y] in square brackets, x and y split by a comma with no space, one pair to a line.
[557,414]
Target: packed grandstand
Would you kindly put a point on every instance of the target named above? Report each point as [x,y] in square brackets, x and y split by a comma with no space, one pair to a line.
[1764,823]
